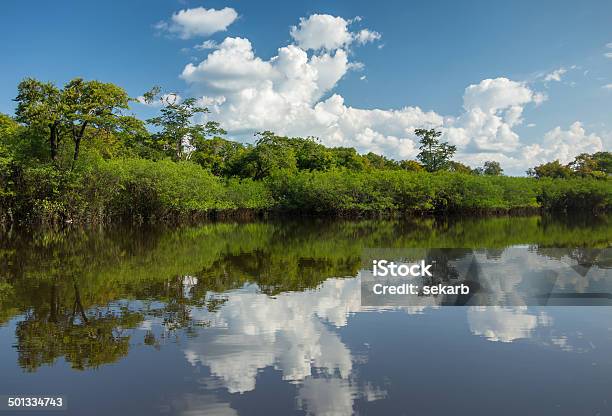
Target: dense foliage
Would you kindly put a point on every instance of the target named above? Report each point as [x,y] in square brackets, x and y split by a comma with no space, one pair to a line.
[74,154]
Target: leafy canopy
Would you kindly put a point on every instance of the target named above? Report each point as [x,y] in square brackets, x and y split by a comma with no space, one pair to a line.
[434,155]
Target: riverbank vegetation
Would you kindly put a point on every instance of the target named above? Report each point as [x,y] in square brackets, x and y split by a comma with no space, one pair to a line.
[75,154]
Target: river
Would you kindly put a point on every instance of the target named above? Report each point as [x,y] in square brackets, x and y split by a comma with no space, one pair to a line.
[262,318]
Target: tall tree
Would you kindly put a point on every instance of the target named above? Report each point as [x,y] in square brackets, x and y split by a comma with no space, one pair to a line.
[434,155]
[92,104]
[553,169]
[270,154]
[40,107]
[596,165]
[311,154]
[177,127]
[72,110]
[217,154]
[491,168]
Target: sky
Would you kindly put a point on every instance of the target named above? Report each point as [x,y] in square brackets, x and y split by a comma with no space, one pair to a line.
[519,82]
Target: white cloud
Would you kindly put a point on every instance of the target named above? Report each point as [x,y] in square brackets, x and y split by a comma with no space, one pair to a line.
[232,67]
[366,36]
[607,87]
[491,95]
[539,98]
[292,94]
[189,23]
[356,66]
[555,75]
[207,44]
[608,54]
[321,31]
[492,108]
[563,145]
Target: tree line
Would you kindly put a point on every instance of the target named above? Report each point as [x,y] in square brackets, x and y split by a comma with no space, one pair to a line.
[61,136]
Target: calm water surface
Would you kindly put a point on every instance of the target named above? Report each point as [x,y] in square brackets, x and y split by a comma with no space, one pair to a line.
[265,318]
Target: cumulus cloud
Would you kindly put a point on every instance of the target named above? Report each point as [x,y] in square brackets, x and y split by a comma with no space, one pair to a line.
[292,93]
[284,94]
[607,87]
[492,108]
[189,23]
[366,36]
[564,145]
[323,31]
[491,95]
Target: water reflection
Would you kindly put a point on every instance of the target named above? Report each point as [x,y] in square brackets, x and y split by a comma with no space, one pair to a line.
[240,318]
[252,331]
[294,334]
[504,324]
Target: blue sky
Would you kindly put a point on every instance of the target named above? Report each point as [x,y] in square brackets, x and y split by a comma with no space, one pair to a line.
[414,68]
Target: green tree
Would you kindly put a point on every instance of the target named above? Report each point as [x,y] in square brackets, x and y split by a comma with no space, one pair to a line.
[491,168]
[604,161]
[93,104]
[270,154]
[411,166]
[40,107]
[459,168]
[550,170]
[311,155]
[217,154]
[72,111]
[434,155]
[9,129]
[347,157]
[597,165]
[177,128]
[379,162]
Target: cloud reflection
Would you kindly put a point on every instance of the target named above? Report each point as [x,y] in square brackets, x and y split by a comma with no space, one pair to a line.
[295,332]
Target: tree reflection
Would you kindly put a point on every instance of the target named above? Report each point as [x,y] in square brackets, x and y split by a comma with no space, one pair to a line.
[63,327]
[66,288]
